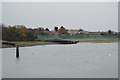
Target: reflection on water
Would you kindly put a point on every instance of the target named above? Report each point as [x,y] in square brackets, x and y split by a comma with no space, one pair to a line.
[82,60]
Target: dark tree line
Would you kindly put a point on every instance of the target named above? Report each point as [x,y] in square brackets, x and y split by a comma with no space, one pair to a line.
[20,33]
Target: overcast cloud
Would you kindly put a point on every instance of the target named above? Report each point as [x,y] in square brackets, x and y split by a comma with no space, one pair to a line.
[92,16]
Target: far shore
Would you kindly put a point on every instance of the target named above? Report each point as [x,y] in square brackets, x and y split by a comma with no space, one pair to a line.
[33,43]
[97,40]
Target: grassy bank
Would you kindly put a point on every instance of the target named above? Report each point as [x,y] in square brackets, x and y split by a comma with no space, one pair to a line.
[33,43]
[98,40]
[23,43]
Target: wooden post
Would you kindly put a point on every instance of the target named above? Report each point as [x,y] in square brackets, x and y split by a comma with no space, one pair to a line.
[17,51]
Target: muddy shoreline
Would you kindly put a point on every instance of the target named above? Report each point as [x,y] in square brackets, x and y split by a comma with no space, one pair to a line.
[33,43]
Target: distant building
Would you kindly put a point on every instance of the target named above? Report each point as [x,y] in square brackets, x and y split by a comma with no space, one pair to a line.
[62,31]
[72,31]
[81,31]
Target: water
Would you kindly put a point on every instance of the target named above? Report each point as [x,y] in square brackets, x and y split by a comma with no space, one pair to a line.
[82,60]
[0,63]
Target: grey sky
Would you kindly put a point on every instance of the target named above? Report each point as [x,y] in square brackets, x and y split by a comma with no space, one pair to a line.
[86,15]
[0,12]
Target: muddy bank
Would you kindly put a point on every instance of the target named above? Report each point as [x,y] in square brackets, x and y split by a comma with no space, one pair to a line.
[9,44]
